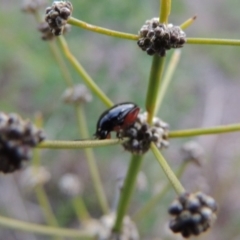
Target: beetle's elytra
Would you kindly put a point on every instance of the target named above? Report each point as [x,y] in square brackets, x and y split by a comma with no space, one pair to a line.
[116,118]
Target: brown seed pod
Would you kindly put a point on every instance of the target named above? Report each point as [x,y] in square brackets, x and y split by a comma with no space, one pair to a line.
[157,38]
[17,137]
[57,16]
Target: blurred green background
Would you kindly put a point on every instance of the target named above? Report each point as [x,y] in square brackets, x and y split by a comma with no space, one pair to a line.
[204,92]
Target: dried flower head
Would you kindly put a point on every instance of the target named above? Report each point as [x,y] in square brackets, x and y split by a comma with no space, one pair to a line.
[193,152]
[47,33]
[192,214]
[17,137]
[70,185]
[78,94]
[141,134]
[156,38]
[32,6]
[57,16]
[33,176]
[103,229]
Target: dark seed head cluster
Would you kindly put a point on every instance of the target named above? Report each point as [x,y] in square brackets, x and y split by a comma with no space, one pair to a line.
[156,38]
[141,134]
[77,94]
[17,137]
[192,214]
[57,16]
[47,33]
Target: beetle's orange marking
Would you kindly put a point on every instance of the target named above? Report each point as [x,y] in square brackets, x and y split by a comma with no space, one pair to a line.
[131,116]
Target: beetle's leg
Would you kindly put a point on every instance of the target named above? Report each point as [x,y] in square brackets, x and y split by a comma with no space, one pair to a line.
[120,134]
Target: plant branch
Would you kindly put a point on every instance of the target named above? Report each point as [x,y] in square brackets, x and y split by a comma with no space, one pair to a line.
[127,191]
[39,189]
[153,86]
[97,182]
[36,160]
[167,170]
[44,230]
[62,65]
[105,31]
[80,208]
[204,131]
[149,206]
[165,9]
[79,144]
[81,71]
[213,41]
[188,23]
[173,62]
[45,205]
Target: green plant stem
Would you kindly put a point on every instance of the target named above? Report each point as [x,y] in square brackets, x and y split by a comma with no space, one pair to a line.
[80,209]
[47,210]
[165,9]
[37,16]
[105,31]
[77,202]
[39,189]
[153,86]
[44,230]
[167,170]
[36,158]
[127,191]
[46,207]
[82,123]
[173,62]
[204,131]
[79,144]
[188,23]
[62,65]
[81,71]
[38,120]
[213,41]
[149,206]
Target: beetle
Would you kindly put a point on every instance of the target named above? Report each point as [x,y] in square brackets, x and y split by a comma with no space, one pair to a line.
[116,118]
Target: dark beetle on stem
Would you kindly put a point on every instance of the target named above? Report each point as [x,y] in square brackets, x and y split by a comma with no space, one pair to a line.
[116,118]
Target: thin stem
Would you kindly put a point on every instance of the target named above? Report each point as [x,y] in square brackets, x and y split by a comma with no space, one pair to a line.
[127,191]
[79,144]
[149,206]
[167,170]
[62,65]
[213,41]
[188,23]
[90,27]
[153,86]
[173,62]
[37,16]
[80,209]
[82,123]
[38,120]
[45,205]
[165,9]
[39,190]
[204,131]
[44,230]
[81,71]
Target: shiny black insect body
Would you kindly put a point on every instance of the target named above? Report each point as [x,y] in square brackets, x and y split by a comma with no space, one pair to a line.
[116,118]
